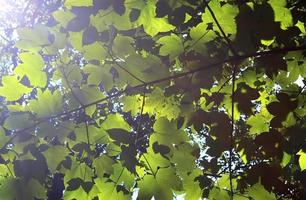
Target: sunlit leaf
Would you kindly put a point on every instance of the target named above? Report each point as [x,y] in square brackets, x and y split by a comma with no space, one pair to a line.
[47,103]
[33,38]
[257,191]
[12,89]
[282,13]
[53,161]
[302,160]
[258,124]
[69,3]
[151,24]
[225,15]
[171,45]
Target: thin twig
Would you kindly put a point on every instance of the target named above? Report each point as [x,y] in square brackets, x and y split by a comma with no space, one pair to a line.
[140,120]
[188,86]
[121,67]
[119,177]
[229,43]
[153,173]
[87,132]
[232,131]
[69,86]
[198,40]
[10,171]
[223,84]
[301,91]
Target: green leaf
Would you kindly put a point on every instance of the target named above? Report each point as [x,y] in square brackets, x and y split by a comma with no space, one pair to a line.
[33,39]
[15,188]
[59,43]
[80,193]
[191,187]
[149,187]
[54,156]
[78,3]
[282,14]
[115,121]
[99,74]
[47,103]
[166,133]
[218,193]
[3,137]
[49,130]
[200,37]
[182,156]
[302,160]
[132,103]
[113,150]
[225,15]
[123,46]
[75,194]
[12,89]
[258,124]
[83,79]
[301,26]
[147,68]
[86,95]
[286,159]
[105,18]
[76,39]
[69,75]
[95,51]
[257,191]
[107,190]
[157,103]
[224,182]
[63,16]
[32,67]
[151,24]
[171,45]
[122,176]
[154,161]
[120,136]
[159,186]
[78,170]
[17,121]
[96,134]
[103,164]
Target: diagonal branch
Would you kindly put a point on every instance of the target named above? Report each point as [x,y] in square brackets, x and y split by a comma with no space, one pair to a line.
[151,169]
[228,41]
[121,67]
[121,92]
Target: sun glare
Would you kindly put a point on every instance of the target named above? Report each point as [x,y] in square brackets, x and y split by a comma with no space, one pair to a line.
[4,5]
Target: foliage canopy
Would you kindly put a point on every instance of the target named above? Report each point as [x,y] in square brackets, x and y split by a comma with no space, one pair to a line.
[109,99]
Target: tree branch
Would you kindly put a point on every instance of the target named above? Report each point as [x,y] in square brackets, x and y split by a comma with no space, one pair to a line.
[228,41]
[121,92]
[121,67]
[232,132]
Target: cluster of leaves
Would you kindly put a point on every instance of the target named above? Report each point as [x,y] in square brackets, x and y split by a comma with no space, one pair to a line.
[118,99]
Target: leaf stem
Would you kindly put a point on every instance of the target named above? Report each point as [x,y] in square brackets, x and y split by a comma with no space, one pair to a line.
[153,173]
